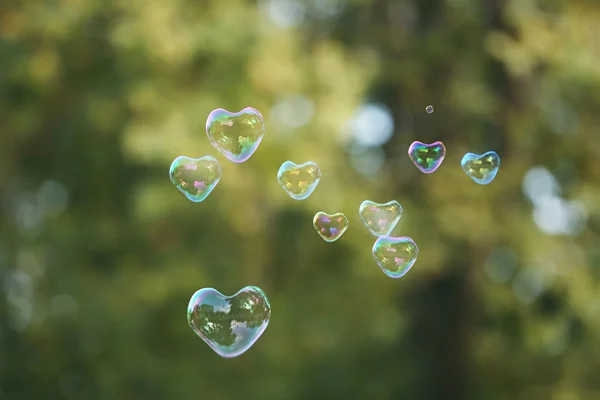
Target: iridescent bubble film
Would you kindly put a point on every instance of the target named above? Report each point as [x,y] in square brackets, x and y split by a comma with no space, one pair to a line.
[195,177]
[481,168]
[330,226]
[299,181]
[230,325]
[380,219]
[395,255]
[427,157]
[429,109]
[236,135]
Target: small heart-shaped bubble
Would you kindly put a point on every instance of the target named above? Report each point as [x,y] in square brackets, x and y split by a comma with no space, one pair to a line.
[380,219]
[395,255]
[236,135]
[230,325]
[330,226]
[299,181]
[427,157]
[195,177]
[481,168]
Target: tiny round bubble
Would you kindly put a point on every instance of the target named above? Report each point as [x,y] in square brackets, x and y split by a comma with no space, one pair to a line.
[380,219]
[235,135]
[481,168]
[427,157]
[299,181]
[330,226]
[195,177]
[230,325]
[429,109]
[395,255]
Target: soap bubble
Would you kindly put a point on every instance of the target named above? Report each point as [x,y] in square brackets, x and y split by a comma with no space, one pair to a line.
[330,226]
[230,325]
[195,177]
[299,181]
[481,168]
[236,135]
[395,255]
[380,219]
[427,157]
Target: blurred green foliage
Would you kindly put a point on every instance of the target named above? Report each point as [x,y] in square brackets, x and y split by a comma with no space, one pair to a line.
[99,252]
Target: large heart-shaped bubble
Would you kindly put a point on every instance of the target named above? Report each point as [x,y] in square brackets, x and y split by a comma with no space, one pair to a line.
[395,255]
[427,157]
[230,325]
[481,168]
[330,226]
[299,181]
[236,135]
[195,177]
[380,219]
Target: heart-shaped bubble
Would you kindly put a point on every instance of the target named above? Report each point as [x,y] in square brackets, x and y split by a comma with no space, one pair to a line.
[299,181]
[236,135]
[395,255]
[230,325]
[330,226]
[380,219]
[195,177]
[427,157]
[481,168]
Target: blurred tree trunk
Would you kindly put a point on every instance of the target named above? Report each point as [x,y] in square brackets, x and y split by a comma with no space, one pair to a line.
[441,315]
[444,310]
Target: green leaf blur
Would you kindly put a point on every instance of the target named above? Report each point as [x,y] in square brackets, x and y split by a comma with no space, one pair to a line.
[100,253]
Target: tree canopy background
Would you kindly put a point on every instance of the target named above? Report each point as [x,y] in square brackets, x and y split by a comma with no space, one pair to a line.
[99,253]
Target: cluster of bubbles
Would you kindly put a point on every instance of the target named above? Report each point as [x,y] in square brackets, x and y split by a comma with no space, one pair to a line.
[230,325]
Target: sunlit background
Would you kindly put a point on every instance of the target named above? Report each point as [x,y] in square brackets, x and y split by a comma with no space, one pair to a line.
[100,253]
